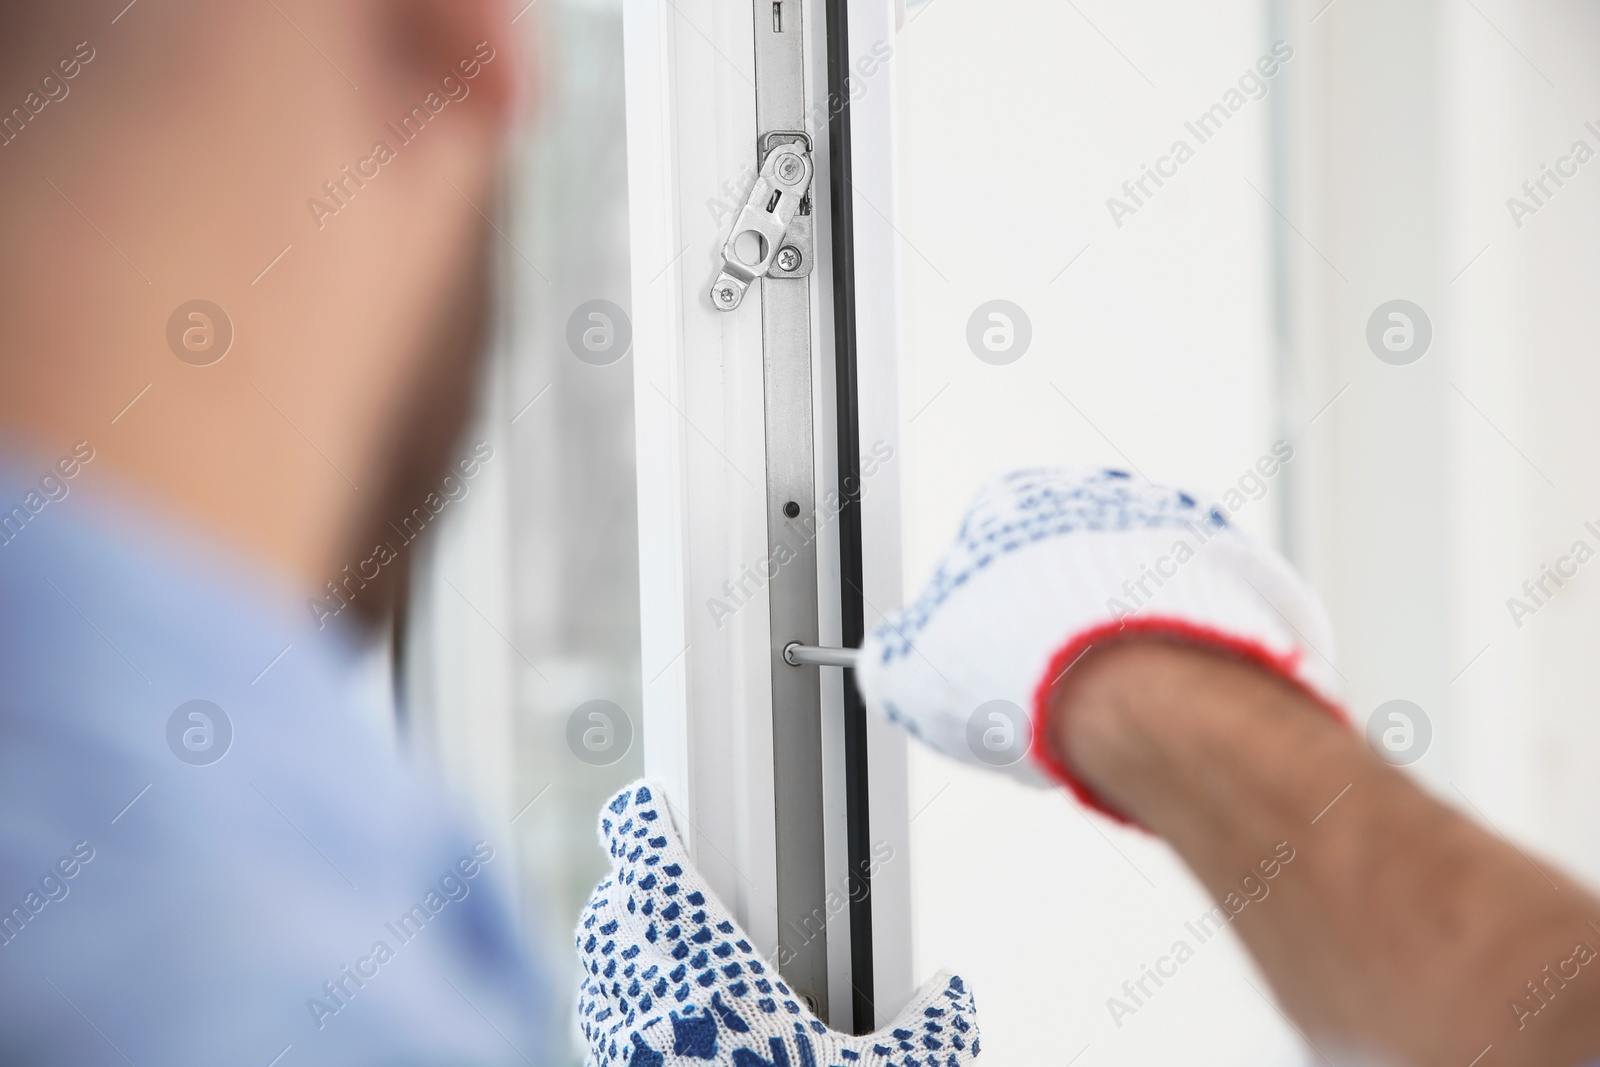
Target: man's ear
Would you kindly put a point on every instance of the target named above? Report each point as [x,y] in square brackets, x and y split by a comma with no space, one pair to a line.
[471,42]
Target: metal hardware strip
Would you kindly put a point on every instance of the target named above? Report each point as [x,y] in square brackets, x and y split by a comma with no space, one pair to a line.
[772,240]
[791,517]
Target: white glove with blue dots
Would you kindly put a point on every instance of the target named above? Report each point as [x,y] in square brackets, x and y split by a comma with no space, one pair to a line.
[670,979]
[1048,563]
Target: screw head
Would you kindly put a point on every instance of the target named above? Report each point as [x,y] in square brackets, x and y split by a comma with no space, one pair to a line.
[788,258]
[790,168]
[725,295]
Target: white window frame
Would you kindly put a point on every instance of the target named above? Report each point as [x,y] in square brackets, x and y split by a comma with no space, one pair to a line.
[698,392]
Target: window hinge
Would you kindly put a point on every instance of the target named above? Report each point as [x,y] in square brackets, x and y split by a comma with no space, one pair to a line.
[772,234]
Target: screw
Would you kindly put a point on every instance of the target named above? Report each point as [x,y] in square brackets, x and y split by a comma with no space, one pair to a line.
[790,168]
[725,295]
[788,258]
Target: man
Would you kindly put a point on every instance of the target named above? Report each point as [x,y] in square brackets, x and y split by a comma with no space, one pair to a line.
[243,262]
[244,276]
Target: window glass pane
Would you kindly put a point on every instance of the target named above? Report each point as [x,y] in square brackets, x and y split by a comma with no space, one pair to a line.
[536,583]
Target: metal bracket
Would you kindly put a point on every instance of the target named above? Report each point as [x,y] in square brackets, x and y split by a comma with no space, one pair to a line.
[772,235]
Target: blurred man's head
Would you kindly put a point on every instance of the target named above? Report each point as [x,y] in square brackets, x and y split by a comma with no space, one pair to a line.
[317,172]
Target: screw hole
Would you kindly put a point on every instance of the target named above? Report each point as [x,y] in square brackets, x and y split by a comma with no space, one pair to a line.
[791,509]
[750,248]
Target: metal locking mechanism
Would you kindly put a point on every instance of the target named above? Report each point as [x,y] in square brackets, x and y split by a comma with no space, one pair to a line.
[772,235]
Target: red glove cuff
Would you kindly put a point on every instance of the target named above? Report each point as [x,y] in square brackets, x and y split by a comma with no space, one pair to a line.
[1058,768]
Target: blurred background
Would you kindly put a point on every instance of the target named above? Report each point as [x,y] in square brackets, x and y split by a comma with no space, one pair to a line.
[1182,329]
[526,608]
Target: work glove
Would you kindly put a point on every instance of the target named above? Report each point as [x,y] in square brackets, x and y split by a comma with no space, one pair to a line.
[1048,563]
[670,978]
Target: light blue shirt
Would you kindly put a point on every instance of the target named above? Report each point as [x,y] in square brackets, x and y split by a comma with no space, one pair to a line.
[306,898]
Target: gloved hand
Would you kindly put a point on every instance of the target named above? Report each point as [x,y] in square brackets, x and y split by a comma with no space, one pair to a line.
[669,978]
[1049,562]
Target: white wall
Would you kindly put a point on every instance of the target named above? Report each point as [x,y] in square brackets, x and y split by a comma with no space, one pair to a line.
[1438,488]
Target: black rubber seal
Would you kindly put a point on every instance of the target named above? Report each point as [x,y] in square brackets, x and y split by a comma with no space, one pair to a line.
[852,605]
